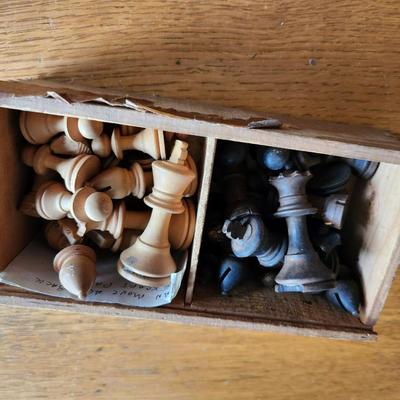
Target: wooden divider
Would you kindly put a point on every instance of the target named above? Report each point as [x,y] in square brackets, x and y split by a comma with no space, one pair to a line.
[204,190]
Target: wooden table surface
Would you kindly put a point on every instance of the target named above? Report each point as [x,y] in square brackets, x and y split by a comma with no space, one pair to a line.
[334,60]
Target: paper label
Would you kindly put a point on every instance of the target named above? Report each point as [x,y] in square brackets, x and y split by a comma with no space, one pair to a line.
[32,270]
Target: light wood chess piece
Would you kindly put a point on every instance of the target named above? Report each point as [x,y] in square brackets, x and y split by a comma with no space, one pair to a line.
[123,182]
[39,128]
[62,233]
[105,240]
[149,261]
[180,234]
[63,145]
[101,146]
[149,141]
[75,171]
[27,205]
[76,267]
[54,202]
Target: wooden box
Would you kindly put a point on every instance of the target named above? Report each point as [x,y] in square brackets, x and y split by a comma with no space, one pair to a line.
[372,232]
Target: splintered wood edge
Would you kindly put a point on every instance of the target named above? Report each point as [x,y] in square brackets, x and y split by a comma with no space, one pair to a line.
[177,314]
[297,134]
[208,164]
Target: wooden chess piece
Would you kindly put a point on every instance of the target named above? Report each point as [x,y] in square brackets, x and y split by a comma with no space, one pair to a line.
[27,205]
[90,129]
[127,130]
[191,189]
[101,145]
[231,154]
[75,171]
[273,158]
[250,238]
[231,273]
[63,145]
[121,182]
[305,160]
[105,240]
[62,233]
[39,128]
[362,168]
[76,267]
[180,234]
[149,261]
[302,270]
[329,178]
[149,141]
[332,209]
[54,202]
[346,296]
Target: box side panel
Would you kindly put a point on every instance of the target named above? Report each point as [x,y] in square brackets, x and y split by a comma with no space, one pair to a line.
[11,296]
[15,229]
[372,233]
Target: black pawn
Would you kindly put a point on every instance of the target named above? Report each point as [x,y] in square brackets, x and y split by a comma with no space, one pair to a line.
[232,272]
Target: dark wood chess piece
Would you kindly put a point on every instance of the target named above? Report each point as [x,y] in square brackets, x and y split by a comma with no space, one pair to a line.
[273,158]
[303,269]
[231,273]
[329,178]
[250,238]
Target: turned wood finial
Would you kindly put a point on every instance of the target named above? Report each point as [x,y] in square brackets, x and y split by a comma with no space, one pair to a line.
[122,182]
[54,202]
[62,233]
[39,128]
[76,267]
[149,141]
[75,171]
[149,261]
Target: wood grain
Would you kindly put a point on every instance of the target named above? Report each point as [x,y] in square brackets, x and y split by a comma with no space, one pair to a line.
[332,60]
[46,355]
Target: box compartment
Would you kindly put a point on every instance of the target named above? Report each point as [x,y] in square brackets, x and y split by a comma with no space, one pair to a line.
[371,225]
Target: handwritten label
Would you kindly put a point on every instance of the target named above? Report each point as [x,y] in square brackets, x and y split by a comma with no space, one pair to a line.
[110,287]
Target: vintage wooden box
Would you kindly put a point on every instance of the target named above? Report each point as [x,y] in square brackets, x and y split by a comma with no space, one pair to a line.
[372,232]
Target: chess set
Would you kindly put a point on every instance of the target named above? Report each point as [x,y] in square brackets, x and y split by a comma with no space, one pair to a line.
[233,218]
[85,175]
